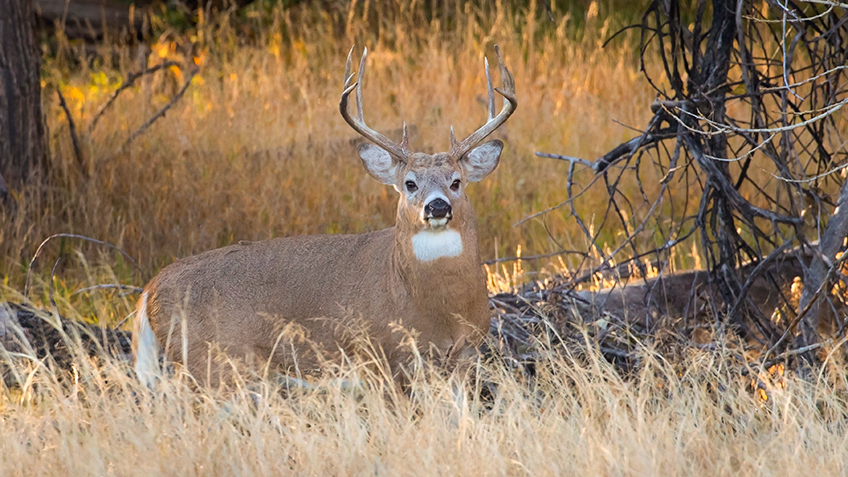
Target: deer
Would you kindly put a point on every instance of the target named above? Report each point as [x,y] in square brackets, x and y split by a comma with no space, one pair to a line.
[287,302]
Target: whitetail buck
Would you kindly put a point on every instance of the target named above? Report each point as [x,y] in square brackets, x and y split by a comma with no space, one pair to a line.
[289,302]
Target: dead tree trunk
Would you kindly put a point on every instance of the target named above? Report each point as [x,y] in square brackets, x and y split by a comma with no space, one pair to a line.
[23,148]
[830,244]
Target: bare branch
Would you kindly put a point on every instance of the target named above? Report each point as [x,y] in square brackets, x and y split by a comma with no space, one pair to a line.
[75,236]
[739,114]
[630,147]
[4,191]
[73,130]
[534,257]
[127,83]
[109,286]
[141,130]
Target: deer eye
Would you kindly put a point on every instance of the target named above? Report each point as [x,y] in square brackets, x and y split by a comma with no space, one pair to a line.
[455,186]
[411,186]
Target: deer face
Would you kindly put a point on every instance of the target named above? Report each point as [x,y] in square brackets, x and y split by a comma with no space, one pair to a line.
[431,186]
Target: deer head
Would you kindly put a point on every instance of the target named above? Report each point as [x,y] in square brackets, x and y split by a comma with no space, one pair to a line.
[431,186]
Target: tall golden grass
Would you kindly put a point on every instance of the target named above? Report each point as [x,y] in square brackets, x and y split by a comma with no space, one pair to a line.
[576,416]
[257,148]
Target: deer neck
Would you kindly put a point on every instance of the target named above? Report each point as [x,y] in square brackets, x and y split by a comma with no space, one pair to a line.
[435,265]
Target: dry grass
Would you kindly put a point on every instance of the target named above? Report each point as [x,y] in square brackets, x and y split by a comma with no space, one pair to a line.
[577,416]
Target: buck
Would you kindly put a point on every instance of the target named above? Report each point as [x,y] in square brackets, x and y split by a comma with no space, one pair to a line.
[289,302]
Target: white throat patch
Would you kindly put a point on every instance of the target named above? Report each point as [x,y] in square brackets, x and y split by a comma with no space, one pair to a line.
[429,245]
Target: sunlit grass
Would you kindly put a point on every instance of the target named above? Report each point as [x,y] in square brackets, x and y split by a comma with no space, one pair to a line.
[576,416]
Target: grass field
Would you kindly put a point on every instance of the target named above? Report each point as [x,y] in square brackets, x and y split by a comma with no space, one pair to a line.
[256,149]
[576,416]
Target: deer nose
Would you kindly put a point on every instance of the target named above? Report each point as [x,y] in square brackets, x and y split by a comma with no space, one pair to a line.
[437,209]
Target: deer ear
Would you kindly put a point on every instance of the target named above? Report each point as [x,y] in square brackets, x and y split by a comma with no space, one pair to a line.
[379,163]
[482,160]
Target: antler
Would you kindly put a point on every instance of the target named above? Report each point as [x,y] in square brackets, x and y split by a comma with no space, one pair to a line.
[400,151]
[459,149]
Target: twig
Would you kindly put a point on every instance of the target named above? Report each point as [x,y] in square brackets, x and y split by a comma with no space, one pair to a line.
[605,265]
[728,190]
[723,128]
[548,10]
[83,237]
[131,79]
[619,353]
[836,265]
[73,130]
[582,162]
[52,274]
[121,323]
[628,148]
[756,273]
[159,113]
[569,181]
[599,166]
[109,286]
[4,191]
[790,353]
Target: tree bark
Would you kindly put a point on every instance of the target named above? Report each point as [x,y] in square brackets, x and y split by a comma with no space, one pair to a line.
[830,244]
[23,146]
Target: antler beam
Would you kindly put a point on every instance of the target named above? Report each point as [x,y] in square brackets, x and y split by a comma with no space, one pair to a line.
[459,149]
[400,151]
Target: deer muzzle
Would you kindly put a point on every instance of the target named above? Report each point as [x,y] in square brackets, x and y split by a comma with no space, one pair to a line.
[437,212]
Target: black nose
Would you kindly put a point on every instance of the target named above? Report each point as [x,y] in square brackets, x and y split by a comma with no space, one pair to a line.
[438,209]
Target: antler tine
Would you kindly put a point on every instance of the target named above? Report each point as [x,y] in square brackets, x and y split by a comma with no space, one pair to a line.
[491,93]
[347,75]
[506,77]
[359,114]
[510,104]
[400,151]
[404,143]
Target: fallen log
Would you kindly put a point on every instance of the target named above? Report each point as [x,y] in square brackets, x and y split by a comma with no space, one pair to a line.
[687,294]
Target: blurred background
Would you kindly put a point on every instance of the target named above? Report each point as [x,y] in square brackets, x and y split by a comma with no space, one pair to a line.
[196,126]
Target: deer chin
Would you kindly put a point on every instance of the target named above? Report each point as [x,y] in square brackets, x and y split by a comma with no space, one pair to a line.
[431,244]
[438,224]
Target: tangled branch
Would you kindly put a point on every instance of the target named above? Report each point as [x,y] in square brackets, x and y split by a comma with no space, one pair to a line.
[749,118]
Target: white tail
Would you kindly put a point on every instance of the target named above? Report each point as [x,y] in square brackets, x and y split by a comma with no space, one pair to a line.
[145,346]
[291,303]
